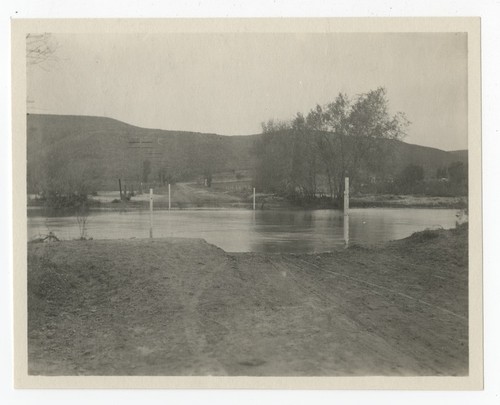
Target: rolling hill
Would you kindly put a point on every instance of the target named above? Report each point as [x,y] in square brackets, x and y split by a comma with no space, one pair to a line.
[65,147]
[105,149]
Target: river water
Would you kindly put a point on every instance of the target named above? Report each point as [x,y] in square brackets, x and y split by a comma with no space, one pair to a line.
[288,231]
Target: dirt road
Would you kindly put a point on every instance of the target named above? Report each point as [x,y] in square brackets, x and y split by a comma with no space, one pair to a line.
[183,195]
[184,307]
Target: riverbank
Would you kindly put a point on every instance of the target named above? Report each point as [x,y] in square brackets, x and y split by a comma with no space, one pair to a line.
[407,201]
[195,196]
[184,307]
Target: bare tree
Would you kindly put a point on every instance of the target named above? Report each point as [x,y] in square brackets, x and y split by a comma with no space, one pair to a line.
[82,216]
[40,48]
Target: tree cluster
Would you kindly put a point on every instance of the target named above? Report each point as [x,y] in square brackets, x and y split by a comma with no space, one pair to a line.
[348,137]
[410,175]
[62,181]
[450,181]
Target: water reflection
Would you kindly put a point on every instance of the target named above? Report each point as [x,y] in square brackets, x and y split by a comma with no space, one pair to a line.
[259,231]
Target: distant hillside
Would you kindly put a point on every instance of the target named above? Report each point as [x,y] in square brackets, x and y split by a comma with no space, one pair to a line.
[460,155]
[430,159]
[103,150]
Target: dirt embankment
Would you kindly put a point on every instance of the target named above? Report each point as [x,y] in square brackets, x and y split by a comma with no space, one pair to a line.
[407,201]
[184,307]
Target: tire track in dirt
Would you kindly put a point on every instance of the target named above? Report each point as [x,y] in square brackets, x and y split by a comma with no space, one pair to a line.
[203,361]
[367,283]
[343,327]
[417,344]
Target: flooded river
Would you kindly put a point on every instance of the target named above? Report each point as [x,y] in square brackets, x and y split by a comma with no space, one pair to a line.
[247,231]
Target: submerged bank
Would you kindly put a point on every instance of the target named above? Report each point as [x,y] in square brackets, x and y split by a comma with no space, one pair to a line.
[193,196]
[184,307]
[272,202]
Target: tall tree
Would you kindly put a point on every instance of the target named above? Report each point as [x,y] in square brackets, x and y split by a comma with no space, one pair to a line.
[275,153]
[345,138]
[354,134]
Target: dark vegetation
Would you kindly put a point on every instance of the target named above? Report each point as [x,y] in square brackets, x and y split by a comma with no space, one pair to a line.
[344,138]
[308,157]
[449,181]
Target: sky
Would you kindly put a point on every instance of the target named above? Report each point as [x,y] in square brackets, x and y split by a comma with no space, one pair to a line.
[229,83]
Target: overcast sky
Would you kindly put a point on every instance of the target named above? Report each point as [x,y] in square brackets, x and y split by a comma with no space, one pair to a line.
[229,83]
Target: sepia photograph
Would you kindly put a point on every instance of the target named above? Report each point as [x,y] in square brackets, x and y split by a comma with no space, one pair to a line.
[237,199]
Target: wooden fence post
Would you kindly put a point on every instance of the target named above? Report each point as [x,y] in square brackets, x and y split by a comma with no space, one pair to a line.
[150,212]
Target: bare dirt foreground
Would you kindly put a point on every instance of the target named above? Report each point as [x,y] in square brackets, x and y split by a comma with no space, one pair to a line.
[184,307]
